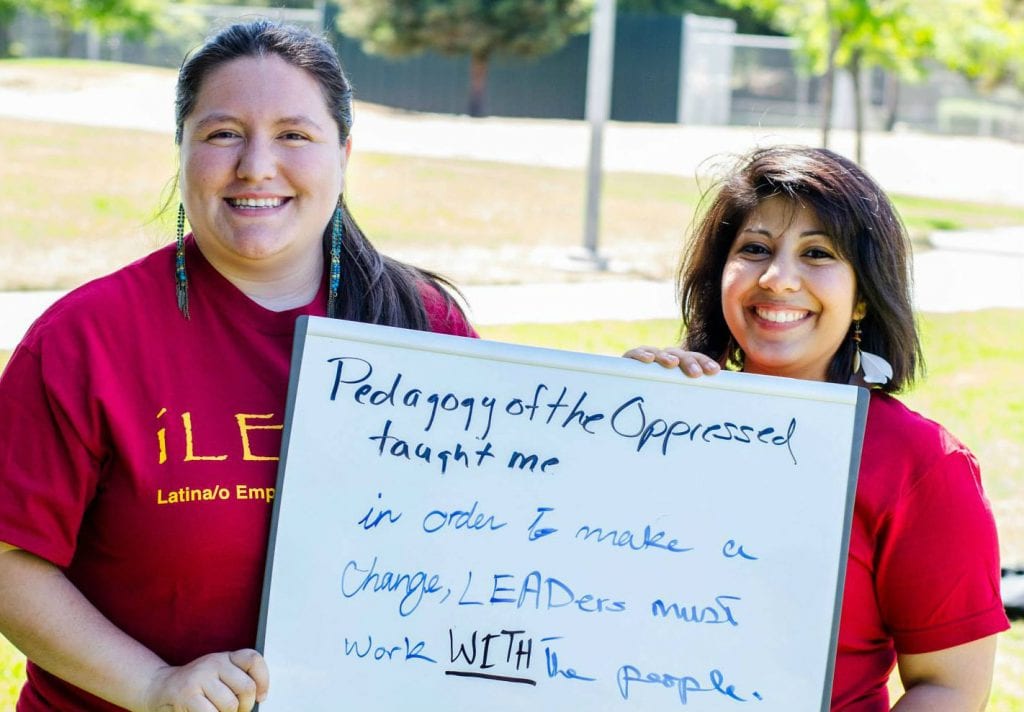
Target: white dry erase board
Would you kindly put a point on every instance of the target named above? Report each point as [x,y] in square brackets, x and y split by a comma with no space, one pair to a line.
[464,524]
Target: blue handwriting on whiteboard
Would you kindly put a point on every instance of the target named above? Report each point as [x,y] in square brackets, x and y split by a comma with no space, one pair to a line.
[576,415]
[351,371]
[630,421]
[553,406]
[413,587]
[536,533]
[387,652]
[371,520]
[731,550]
[554,670]
[626,538]
[468,519]
[536,591]
[683,685]
[453,455]
[529,461]
[721,612]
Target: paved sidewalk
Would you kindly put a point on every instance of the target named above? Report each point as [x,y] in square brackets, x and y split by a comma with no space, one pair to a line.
[966,271]
[17,312]
[970,270]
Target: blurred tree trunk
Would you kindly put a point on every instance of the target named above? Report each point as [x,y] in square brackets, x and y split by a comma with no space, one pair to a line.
[858,105]
[65,36]
[892,100]
[829,80]
[478,67]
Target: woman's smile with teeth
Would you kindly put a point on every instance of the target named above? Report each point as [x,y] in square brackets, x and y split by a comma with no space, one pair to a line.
[780,316]
[255,202]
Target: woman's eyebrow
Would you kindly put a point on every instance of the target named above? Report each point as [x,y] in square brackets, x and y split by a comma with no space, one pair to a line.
[299,120]
[768,233]
[214,119]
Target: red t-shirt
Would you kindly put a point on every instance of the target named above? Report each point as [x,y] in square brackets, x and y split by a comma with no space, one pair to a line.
[138,451]
[923,570]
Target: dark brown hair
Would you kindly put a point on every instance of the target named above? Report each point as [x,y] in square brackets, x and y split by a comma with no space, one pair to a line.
[864,227]
[373,288]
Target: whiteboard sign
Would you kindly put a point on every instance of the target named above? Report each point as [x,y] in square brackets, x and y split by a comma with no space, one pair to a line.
[463,523]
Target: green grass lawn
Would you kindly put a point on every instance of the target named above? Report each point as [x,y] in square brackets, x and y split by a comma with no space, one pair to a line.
[77,201]
[973,388]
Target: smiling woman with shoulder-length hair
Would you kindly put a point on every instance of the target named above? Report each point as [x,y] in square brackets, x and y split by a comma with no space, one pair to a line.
[800,268]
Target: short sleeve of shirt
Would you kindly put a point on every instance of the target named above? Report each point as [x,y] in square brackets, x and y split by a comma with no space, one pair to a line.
[48,473]
[938,569]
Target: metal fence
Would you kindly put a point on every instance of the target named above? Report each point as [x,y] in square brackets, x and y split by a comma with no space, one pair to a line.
[767,86]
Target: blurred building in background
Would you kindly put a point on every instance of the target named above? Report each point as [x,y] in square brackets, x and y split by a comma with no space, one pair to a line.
[689,69]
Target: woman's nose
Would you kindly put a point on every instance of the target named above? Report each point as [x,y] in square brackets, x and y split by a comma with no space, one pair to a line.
[256,162]
[781,274]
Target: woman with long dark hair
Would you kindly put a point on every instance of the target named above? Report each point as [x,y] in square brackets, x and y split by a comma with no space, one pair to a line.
[141,412]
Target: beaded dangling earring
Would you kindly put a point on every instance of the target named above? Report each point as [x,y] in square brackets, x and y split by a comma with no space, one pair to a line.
[334,280]
[856,345]
[180,277]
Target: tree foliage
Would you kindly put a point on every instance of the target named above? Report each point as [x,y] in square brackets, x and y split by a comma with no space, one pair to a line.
[275,4]
[894,34]
[8,11]
[984,40]
[135,19]
[981,38]
[479,29]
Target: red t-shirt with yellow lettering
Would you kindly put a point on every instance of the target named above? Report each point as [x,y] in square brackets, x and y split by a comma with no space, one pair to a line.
[138,452]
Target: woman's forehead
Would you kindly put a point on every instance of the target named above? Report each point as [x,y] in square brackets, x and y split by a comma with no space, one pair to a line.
[267,85]
[779,213]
